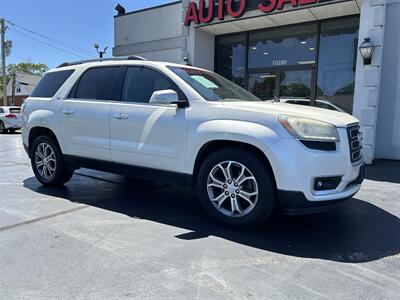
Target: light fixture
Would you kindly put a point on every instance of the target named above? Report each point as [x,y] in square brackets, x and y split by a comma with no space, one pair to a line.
[311,49]
[366,50]
[120,10]
[254,48]
[303,42]
[266,53]
[268,76]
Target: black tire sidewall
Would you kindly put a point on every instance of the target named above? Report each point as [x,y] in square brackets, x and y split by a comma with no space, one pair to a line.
[62,174]
[2,128]
[267,192]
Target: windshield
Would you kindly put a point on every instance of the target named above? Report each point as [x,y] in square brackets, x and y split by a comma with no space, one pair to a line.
[213,87]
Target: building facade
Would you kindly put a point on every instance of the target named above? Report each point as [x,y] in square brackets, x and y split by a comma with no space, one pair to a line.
[20,87]
[299,51]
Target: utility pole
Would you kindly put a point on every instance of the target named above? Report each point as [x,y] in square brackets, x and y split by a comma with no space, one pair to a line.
[3,59]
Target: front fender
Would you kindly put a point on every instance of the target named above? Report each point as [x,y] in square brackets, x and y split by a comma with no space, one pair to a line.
[251,133]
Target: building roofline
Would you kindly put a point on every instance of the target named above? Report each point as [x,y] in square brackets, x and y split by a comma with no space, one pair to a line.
[148,8]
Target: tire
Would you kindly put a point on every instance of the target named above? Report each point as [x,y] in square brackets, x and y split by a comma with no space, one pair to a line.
[3,129]
[259,188]
[11,130]
[55,172]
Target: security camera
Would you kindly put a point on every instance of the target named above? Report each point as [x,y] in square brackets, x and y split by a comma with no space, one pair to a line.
[120,9]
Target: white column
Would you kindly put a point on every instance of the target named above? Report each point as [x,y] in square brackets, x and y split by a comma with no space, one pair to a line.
[368,78]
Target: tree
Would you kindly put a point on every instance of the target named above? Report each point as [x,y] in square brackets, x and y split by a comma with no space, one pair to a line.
[25,68]
[28,68]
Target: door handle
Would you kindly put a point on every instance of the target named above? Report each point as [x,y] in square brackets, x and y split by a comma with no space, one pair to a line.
[68,112]
[121,116]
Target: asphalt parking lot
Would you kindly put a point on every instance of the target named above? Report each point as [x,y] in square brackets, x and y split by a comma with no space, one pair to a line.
[104,236]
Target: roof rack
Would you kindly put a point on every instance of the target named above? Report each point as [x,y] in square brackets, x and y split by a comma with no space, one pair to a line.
[132,57]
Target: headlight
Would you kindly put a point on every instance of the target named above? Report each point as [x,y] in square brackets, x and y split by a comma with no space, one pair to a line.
[309,129]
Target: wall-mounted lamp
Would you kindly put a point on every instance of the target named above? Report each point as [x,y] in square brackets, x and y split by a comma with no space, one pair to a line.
[366,50]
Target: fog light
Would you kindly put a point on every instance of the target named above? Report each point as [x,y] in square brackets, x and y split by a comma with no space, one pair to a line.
[326,183]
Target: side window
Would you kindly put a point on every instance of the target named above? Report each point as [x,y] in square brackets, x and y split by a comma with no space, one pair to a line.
[96,83]
[1,111]
[51,83]
[140,84]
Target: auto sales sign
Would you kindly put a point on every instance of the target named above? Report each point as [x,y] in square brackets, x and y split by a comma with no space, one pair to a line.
[208,10]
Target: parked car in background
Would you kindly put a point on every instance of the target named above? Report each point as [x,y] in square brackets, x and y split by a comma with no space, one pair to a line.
[245,157]
[10,119]
[318,103]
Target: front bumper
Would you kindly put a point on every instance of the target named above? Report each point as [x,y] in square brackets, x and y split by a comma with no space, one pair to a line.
[296,168]
[295,203]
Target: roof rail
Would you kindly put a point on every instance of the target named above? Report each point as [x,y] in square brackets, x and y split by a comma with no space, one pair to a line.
[132,57]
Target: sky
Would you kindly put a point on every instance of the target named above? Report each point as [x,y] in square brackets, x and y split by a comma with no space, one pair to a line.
[70,25]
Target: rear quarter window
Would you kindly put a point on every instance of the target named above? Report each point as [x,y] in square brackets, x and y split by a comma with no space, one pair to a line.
[51,83]
[1,111]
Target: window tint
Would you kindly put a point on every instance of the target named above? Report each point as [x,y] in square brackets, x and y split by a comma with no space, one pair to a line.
[51,83]
[96,84]
[1,111]
[140,84]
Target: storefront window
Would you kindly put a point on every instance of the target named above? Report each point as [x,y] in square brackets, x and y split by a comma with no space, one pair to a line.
[337,62]
[280,47]
[295,84]
[232,58]
[263,85]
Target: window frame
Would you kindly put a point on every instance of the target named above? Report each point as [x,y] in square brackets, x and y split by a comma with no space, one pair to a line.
[314,67]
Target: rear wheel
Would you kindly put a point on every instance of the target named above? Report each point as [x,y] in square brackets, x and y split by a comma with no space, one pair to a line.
[2,128]
[236,189]
[48,162]
[12,130]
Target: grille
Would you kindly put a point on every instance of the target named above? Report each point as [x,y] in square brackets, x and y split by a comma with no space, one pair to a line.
[355,142]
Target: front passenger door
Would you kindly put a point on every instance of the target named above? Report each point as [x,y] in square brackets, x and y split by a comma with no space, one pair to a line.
[144,134]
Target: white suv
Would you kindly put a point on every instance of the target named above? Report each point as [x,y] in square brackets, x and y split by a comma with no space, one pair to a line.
[186,125]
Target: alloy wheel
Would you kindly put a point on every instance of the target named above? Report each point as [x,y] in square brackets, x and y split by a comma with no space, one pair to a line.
[45,161]
[232,189]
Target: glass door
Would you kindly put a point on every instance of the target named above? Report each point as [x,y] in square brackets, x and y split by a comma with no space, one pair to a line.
[282,84]
[264,85]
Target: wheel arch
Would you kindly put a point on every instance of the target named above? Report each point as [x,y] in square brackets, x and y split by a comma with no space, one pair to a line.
[38,131]
[215,145]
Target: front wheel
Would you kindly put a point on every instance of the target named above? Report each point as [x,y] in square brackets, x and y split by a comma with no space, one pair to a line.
[48,162]
[236,189]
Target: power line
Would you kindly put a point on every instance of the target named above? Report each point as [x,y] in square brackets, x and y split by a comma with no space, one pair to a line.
[60,43]
[47,44]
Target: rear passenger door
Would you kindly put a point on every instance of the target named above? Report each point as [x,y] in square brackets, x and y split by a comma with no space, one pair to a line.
[144,134]
[84,115]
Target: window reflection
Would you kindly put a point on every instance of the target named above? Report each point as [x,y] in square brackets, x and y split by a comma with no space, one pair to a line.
[337,62]
[231,58]
[279,47]
[295,84]
[263,85]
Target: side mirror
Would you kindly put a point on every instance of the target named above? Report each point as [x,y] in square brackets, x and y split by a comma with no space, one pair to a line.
[164,97]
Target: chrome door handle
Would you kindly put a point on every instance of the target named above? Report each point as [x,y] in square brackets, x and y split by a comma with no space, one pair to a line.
[68,112]
[121,116]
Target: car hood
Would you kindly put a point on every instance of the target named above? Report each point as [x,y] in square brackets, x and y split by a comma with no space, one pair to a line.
[338,119]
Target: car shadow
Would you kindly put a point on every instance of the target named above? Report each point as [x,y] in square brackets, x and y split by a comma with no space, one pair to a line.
[354,232]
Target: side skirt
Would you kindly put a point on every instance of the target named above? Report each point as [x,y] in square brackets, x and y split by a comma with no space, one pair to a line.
[163,176]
